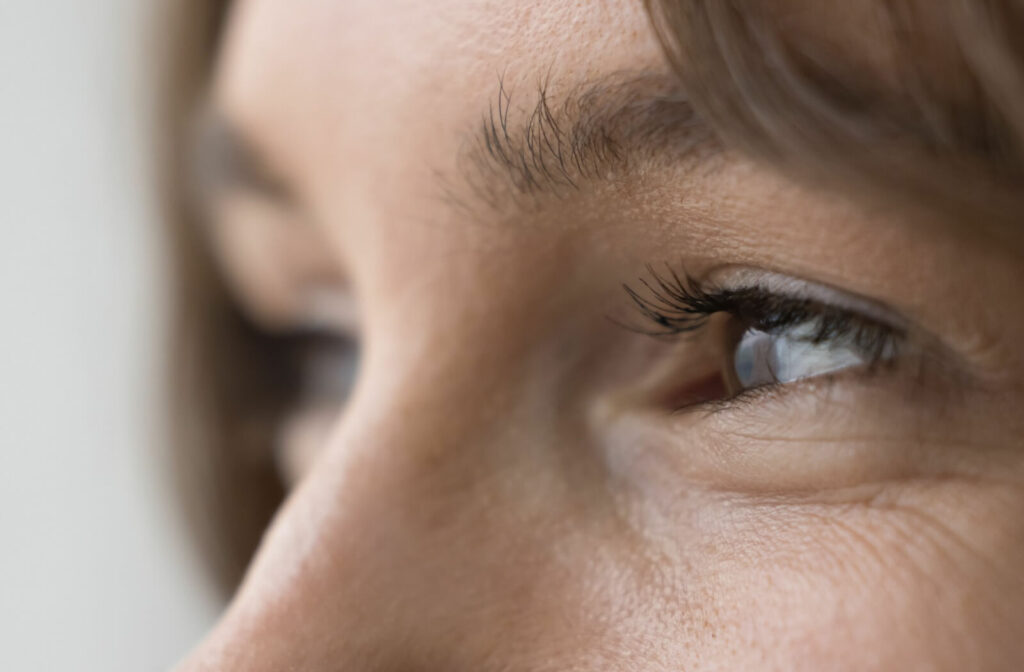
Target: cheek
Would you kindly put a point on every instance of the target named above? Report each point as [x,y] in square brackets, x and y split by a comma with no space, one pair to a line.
[783,586]
[912,570]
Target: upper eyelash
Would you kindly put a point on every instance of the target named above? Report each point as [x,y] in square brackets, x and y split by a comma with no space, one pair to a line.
[679,304]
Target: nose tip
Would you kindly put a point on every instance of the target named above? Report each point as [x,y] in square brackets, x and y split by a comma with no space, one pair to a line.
[307,591]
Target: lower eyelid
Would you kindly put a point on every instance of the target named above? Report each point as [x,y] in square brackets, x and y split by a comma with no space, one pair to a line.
[754,395]
[819,386]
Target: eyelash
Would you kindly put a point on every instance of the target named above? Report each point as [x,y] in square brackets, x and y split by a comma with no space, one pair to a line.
[679,305]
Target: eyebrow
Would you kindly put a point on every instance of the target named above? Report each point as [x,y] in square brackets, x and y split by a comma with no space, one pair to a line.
[598,130]
[223,159]
[550,147]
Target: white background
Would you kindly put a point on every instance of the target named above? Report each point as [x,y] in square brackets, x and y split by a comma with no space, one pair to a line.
[95,573]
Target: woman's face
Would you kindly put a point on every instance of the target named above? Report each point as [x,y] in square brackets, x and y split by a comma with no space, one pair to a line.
[814,463]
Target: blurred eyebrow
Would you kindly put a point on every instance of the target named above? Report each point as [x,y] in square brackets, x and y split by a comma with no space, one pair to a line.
[594,131]
[223,159]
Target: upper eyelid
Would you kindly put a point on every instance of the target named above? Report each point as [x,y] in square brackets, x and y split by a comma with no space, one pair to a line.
[680,301]
[755,307]
[785,286]
[928,344]
[798,310]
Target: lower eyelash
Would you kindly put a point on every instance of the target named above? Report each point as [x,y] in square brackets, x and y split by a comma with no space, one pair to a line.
[761,394]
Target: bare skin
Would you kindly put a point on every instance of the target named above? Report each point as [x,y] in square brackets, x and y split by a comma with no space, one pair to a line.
[514,483]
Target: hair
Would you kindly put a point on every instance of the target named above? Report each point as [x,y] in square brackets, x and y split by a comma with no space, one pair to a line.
[933,121]
[230,382]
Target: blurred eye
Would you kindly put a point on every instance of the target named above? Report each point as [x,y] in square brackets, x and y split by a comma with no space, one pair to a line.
[328,368]
[328,345]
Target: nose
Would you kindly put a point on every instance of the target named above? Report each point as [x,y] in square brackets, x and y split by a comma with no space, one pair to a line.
[411,545]
[336,575]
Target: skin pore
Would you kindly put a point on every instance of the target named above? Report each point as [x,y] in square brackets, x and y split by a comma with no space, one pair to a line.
[522,479]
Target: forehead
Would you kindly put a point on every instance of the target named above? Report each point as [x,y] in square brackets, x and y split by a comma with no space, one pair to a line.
[349,89]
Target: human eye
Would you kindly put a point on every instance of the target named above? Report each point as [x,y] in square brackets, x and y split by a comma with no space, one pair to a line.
[761,382]
[777,330]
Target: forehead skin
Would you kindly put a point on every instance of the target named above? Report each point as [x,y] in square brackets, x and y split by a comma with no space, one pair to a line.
[377,77]
[452,523]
